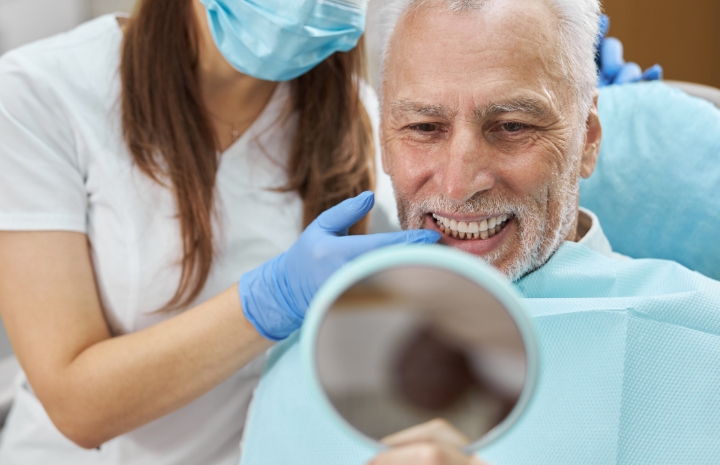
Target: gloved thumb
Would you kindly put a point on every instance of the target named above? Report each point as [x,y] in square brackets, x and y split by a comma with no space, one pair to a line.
[339,218]
[604,25]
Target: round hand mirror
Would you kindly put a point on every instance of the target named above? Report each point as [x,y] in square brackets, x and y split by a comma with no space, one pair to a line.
[407,336]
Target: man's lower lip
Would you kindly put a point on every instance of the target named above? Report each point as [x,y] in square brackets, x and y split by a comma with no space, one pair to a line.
[474,246]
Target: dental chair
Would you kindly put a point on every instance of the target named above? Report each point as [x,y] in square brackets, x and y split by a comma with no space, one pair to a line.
[708,93]
[656,187]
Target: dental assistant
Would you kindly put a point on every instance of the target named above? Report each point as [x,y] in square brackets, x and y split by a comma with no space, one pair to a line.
[148,166]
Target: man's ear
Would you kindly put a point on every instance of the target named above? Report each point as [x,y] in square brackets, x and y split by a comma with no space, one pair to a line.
[593,138]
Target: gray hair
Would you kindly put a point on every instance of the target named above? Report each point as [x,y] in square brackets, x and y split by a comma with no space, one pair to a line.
[579,28]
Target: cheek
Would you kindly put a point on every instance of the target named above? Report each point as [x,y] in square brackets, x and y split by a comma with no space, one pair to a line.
[530,172]
[410,167]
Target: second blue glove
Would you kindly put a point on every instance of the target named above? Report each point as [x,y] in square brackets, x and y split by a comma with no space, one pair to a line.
[612,68]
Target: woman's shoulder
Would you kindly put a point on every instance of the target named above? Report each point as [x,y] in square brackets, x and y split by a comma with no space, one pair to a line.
[86,34]
[78,59]
[54,94]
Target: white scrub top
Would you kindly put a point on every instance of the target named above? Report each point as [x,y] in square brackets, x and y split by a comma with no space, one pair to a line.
[64,166]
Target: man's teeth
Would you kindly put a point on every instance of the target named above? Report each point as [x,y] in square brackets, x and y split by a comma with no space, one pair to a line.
[484,229]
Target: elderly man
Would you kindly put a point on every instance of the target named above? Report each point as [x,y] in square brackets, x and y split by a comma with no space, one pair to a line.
[489,120]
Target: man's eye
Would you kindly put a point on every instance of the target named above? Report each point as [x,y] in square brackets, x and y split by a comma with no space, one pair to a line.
[424,127]
[513,127]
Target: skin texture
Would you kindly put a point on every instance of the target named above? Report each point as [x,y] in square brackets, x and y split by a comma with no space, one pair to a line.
[478,120]
[434,430]
[436,442]
[453,144]
[95,386]
[426,453]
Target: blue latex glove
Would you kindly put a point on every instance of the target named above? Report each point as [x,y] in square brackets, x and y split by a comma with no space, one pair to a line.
[611,65]
[276,295]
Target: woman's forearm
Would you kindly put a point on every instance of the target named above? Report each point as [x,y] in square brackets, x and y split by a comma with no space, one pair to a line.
[95,386]
[121,383]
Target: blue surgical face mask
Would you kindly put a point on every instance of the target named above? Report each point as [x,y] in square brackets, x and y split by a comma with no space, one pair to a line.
[279,40]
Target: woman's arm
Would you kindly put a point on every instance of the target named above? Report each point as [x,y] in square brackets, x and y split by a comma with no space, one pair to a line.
[95,386]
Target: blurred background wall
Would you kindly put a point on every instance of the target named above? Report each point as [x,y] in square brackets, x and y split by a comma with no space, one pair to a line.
[23,21]
[681,35]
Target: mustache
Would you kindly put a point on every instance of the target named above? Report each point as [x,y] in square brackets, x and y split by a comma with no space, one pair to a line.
[479,204]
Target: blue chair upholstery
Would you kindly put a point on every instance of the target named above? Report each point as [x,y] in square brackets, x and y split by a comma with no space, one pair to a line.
[656,188]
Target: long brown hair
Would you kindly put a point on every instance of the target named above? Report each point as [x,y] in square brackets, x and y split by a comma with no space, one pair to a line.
[168,131]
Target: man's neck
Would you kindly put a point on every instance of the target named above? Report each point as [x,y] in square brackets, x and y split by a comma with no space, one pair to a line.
[584,223]
[575,234]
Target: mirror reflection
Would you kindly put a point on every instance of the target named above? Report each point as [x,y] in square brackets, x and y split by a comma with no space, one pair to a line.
[410,345]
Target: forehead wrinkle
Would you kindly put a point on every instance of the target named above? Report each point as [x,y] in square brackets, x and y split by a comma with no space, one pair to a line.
[419,108]
[529,105]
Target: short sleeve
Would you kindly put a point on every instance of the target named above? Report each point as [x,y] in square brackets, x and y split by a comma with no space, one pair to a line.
[41,183]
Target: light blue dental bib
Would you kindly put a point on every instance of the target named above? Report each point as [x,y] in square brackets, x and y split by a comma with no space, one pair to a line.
[630,374]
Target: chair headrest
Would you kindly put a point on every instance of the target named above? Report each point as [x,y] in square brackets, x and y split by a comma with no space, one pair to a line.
[656,188]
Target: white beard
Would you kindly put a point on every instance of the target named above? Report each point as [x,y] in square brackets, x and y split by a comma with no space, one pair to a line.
[538,240]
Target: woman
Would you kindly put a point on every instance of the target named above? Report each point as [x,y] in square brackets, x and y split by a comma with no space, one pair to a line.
[145,165]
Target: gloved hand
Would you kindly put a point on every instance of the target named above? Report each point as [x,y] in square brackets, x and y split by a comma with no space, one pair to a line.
[276,295]
[611,65]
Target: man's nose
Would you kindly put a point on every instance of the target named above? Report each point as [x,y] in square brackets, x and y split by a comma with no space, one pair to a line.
[467,169]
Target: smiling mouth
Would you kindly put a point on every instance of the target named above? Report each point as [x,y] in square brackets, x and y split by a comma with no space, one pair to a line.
[484,229]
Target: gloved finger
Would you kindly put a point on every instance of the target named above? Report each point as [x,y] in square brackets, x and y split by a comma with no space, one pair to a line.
[630,72]
[345,214]
[366,243]
[654,73]
[611,55]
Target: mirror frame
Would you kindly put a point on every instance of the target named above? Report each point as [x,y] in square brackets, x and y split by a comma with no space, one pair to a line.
[437,256]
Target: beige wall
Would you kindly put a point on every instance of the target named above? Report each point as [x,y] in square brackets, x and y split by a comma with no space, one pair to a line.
[24,21]
[682,35]
[101,7]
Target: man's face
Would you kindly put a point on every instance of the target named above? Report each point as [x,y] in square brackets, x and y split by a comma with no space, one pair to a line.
[482,134]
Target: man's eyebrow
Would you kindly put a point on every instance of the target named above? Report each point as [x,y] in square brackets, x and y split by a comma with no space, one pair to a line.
[524,104]
[419,108]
